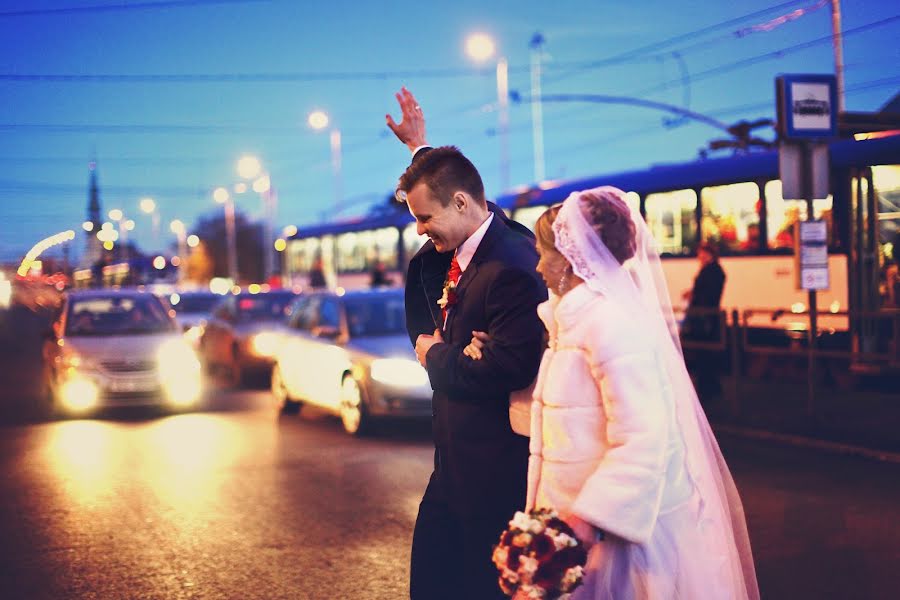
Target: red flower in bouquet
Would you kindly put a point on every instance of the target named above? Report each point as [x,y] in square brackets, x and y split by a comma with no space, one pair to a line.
[539,556]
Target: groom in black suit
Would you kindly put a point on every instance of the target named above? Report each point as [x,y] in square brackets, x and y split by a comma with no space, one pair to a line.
[480,464]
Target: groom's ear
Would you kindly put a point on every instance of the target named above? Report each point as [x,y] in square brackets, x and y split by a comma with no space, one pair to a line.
[461,200]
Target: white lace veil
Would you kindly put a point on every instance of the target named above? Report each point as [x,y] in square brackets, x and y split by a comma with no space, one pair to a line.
[639,287]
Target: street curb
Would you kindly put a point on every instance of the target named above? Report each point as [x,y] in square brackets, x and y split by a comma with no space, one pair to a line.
[805,442]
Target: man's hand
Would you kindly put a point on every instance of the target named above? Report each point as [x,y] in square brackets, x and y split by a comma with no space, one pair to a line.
[424,344]
[411,130]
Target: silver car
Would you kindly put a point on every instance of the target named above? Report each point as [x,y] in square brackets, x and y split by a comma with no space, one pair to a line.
[118,348]
[350,354]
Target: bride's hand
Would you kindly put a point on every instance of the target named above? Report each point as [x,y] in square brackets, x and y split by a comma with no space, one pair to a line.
[584,531]
[473,350]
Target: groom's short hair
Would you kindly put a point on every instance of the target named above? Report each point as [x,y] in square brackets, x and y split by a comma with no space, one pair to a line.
[445,170]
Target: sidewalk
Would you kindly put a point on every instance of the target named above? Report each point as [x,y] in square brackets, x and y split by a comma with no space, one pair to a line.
[859,417]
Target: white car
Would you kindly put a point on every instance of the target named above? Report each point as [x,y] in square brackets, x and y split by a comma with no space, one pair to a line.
[118,348]
[350,354]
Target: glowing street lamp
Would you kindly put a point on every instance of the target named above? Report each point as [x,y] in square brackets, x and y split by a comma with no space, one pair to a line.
[193,241]
[148,207]
[115,215]
[480,47]
[249,167]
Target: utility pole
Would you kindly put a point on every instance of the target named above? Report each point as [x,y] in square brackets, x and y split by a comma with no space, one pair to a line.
[537,115]
[838,44]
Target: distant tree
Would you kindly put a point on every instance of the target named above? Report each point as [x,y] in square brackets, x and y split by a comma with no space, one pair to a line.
[212,231]
[200,267]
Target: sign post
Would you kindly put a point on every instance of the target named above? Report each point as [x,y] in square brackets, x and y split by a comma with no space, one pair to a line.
[807,118]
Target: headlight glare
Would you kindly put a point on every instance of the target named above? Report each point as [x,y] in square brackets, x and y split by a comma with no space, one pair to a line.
[265,344]
[400,372]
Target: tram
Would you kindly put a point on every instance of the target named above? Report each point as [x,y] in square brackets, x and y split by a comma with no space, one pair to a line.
[734,202]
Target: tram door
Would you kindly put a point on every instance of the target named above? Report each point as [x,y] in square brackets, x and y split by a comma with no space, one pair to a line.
[865,298]
[875,256]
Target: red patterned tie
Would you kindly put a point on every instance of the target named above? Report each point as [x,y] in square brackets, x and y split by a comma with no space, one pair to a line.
[452,275]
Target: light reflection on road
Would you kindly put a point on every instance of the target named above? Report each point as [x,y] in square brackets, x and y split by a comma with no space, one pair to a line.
[181,461]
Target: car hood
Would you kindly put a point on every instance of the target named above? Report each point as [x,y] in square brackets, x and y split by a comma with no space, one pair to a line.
[387,346]
[118,347]
[186,320]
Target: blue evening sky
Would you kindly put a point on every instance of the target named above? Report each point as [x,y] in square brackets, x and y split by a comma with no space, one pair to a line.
[178,140]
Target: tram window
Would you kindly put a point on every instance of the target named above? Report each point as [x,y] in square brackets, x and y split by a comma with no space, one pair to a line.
[670,216]
[528,215]
[731,217]
[412,241]
[384,248]
[783,214]
[303,253]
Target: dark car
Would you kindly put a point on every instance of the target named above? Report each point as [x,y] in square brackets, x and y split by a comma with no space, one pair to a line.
[192,311]
[243,333]
[350,354]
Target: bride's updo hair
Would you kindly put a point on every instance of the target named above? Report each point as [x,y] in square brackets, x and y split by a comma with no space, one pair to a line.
[543,228]
[611,219]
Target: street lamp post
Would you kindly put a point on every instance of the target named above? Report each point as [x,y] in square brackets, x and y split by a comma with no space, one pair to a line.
[480,47]
[178,229]
[537,112]
[222,196]
[148,207]
[250,168]
[319,121]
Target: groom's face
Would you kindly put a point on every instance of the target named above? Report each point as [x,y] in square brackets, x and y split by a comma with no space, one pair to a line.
[444,225]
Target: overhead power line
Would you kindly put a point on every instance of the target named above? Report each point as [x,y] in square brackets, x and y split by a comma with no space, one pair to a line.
[69,10]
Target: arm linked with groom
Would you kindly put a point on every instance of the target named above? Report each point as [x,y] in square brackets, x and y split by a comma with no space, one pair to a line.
[475,273]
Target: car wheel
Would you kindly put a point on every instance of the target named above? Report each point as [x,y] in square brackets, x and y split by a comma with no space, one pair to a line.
[286,404]
[353,410]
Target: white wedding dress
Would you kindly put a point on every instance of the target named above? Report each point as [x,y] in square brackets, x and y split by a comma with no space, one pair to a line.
[618,438]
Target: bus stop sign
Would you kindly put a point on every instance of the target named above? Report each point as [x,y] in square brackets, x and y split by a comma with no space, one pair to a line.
[807,107]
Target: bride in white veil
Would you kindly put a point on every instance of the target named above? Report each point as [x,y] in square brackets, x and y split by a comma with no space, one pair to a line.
[620,445]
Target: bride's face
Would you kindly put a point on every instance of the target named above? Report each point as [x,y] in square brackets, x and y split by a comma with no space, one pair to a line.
[551,265]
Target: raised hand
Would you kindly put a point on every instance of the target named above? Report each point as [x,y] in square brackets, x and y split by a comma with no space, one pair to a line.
[411,129]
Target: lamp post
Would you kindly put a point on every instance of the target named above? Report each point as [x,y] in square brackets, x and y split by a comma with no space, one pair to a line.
[222,196]
[124,226]
[148,207]
[480,47]
[537,112]
[178,229]
[319,121]
[250,168]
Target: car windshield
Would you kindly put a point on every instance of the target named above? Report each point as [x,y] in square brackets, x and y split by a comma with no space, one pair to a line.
[197,303]
[117,315]
[263,307]
[374,316]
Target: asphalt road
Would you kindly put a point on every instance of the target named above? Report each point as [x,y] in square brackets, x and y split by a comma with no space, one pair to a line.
[235,501]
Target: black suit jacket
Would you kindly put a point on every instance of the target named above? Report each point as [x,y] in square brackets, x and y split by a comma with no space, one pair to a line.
[480,464]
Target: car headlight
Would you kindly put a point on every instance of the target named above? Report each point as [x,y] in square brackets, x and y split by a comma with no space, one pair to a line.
[193,334]
[179,371]
[400,372]
[265,344]
[79,394]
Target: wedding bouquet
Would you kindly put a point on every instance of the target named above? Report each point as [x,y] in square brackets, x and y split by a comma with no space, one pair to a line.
[539,556]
